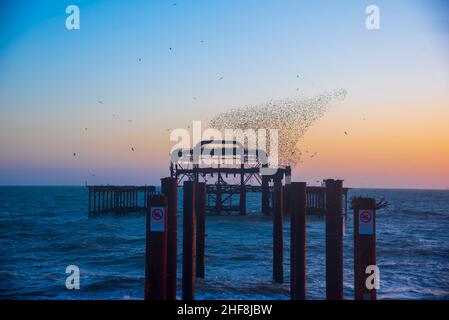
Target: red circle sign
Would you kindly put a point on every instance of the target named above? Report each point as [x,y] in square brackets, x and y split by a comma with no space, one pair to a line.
[365,216]
[157,214]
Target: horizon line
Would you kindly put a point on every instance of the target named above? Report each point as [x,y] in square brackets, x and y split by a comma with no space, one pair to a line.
[158,185]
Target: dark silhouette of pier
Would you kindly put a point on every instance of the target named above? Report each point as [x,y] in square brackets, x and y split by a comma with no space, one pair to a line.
[118,199]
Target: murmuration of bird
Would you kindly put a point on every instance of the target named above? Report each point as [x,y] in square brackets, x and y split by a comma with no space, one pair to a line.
[292,117]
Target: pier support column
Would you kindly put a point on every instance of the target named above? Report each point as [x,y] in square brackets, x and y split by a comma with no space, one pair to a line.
[242,191]
[334,240]
[278,245]
[188,243]
[365,248]
[169,187]
[265,196]
[298,240]
[156,249]
[200,228]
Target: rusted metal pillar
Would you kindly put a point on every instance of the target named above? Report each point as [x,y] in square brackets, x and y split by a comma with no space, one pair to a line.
[278,245]
[188,243]
[242,191]
[298,240]
[97,202]
[93,201]
[200,228]
[265,195]
[286,195]
[156,249]
[334,240]
[169,187]
[364,248]
[288,181]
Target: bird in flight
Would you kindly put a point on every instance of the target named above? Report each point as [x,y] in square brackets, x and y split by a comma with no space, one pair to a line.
[346,133]
[132,149]
[100,102]
[221,78]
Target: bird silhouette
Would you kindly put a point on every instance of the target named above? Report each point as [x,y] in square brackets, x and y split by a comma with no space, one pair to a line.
[346,133]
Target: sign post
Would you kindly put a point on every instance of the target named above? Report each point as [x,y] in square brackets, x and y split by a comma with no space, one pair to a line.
[156,248]
[364,248]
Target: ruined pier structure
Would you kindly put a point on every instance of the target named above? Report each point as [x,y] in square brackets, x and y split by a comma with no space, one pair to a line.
[229,184]
[118,199]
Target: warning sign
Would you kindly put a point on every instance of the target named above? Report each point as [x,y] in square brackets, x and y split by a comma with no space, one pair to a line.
[366,221]
[157,222]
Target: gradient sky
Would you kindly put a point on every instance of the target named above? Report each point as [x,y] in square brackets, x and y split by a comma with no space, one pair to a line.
[51,80]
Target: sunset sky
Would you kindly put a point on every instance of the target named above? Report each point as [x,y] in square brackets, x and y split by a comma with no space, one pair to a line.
[52,81]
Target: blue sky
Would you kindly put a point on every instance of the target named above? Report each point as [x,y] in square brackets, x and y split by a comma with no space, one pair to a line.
[51,79]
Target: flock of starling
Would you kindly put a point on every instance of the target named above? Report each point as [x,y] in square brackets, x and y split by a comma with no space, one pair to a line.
[291,117]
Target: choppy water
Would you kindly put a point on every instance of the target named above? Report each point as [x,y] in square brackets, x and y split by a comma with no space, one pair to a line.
[44,229]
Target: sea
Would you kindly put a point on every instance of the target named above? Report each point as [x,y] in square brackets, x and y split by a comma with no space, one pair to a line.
[45,229]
